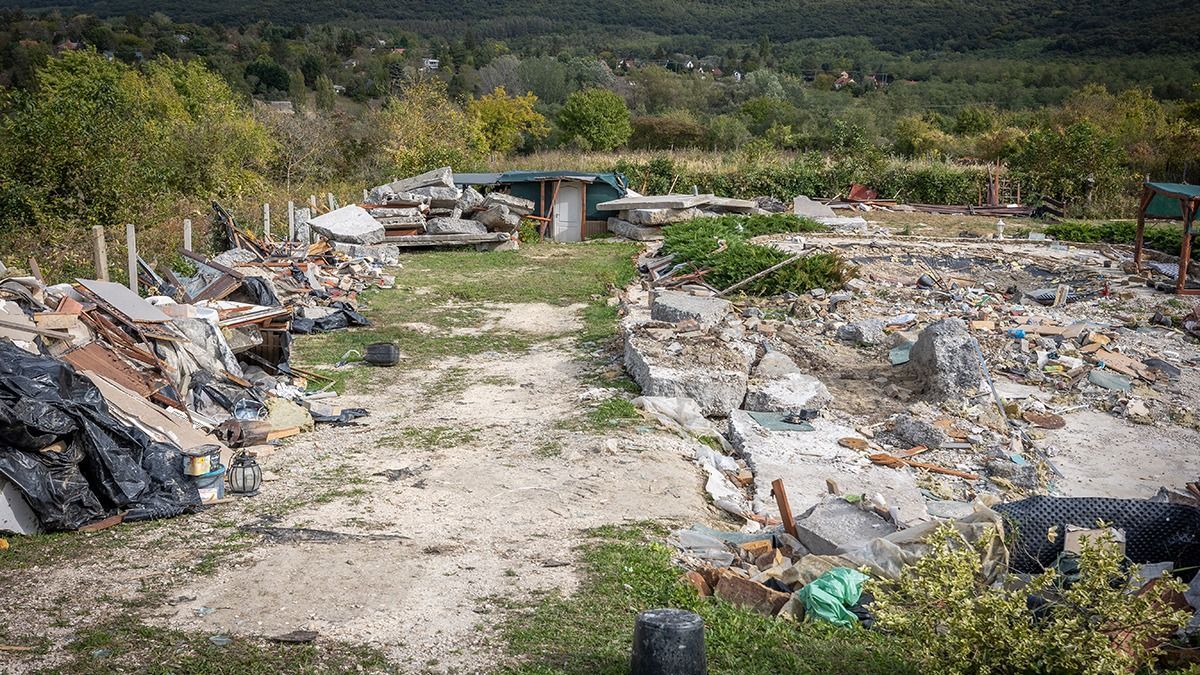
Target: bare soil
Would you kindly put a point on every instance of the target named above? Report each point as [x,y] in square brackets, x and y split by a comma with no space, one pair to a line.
[470,481]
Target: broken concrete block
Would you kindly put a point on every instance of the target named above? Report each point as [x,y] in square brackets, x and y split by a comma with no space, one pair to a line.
[867,332]
[910,432]
[675,306]
[386,254]
[443,177]
[624,228]
[775,364]
[403,212]
[945,360]
[806,208]
[750,595]
[350,224]
[470,200]
[440,197]
[713,374]
[516,205]
[454,226]
[498,218]
[787,393]
[661,216]
[837,525]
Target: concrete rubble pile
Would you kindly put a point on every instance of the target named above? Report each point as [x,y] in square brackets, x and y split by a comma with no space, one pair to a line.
[199,367]
[425,211]
[944,376]
[641,218]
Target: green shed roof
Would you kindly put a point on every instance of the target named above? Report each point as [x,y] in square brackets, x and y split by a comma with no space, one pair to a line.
[1167,198]
[616,180]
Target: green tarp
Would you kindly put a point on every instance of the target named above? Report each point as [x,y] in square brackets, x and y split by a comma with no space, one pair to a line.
[1166,200]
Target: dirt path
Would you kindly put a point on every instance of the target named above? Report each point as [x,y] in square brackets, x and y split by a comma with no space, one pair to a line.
[487,490]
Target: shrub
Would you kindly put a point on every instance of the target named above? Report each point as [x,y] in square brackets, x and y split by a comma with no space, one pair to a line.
[424,129]
[595,119]
[948,618]
[699,243]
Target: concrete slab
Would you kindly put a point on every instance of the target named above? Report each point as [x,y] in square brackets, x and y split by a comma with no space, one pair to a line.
[805,459]
[676,306]
[350,224]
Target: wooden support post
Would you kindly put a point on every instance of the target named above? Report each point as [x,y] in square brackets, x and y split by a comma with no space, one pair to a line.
[1185,249]
[1139,236]
[36,270]
[331,200]
[312,203]
[266,222]
[131,248]
[99,252]
[291,220]
[366,195]
[187,233]
[785,509]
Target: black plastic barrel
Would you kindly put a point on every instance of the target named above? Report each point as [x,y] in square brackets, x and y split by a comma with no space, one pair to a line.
[668,642]
[382,354]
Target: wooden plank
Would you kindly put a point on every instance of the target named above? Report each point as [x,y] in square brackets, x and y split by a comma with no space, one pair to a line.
[419,240]
[785,509]
[99,252]
[187,234]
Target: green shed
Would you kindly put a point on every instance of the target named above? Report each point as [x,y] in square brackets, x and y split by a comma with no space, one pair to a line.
[564,201]
[1170,201]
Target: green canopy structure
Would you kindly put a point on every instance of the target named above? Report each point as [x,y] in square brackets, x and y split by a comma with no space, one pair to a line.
[1169,201]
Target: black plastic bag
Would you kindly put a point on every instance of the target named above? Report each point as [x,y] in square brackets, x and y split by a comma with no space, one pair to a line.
[345,317]
[72,460]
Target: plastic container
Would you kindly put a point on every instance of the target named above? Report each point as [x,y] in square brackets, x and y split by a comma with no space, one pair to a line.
[668,642]
[382,354]
[201,460]
[211,485]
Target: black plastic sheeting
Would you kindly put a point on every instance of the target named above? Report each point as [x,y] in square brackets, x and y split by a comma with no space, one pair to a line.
[256,291]
[345,418]
[343,318]
[103,466]
[1154,531]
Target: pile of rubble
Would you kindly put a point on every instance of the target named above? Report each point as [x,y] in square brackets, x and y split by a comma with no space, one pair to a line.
[641,218]
[199,367]
[423,211]
[938,385]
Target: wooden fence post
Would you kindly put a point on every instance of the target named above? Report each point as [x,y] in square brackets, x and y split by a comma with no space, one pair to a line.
[99,252]
[187,233]
[131,245]
[291,220]
[331,200]
[266,222]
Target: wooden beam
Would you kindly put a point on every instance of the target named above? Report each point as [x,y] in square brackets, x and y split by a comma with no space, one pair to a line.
[187,233]
[785,509]
[99,252]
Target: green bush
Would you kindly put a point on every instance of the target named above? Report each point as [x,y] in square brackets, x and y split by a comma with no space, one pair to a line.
[814,174]
[947,618]
[1164,238]
[699,243]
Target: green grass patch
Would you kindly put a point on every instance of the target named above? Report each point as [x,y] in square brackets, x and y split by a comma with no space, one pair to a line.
[627,571]
[125,644]
[699,243]
[439,291]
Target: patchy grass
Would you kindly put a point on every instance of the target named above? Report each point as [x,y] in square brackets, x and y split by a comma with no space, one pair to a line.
[608,414]
[125,644]
[430,438]
[54,548]
[548,449]
[439,291]
[625,572]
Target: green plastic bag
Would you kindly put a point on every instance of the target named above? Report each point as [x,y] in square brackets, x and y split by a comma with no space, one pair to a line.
[830,595]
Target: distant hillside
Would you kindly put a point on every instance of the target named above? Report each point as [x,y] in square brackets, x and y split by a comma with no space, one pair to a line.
[1104,27]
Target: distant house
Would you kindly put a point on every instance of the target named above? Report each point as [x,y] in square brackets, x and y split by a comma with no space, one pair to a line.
[181,38]
[281,107]
[399,51]
[430,64]
[737,76]
[339,89]
[843,80]
[67,46]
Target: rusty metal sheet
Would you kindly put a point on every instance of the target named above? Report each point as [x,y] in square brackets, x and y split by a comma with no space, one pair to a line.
[129,304]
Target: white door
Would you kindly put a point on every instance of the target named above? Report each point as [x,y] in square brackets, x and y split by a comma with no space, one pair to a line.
[568,213]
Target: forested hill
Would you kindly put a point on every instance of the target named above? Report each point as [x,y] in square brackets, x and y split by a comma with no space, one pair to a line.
[1111,27]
